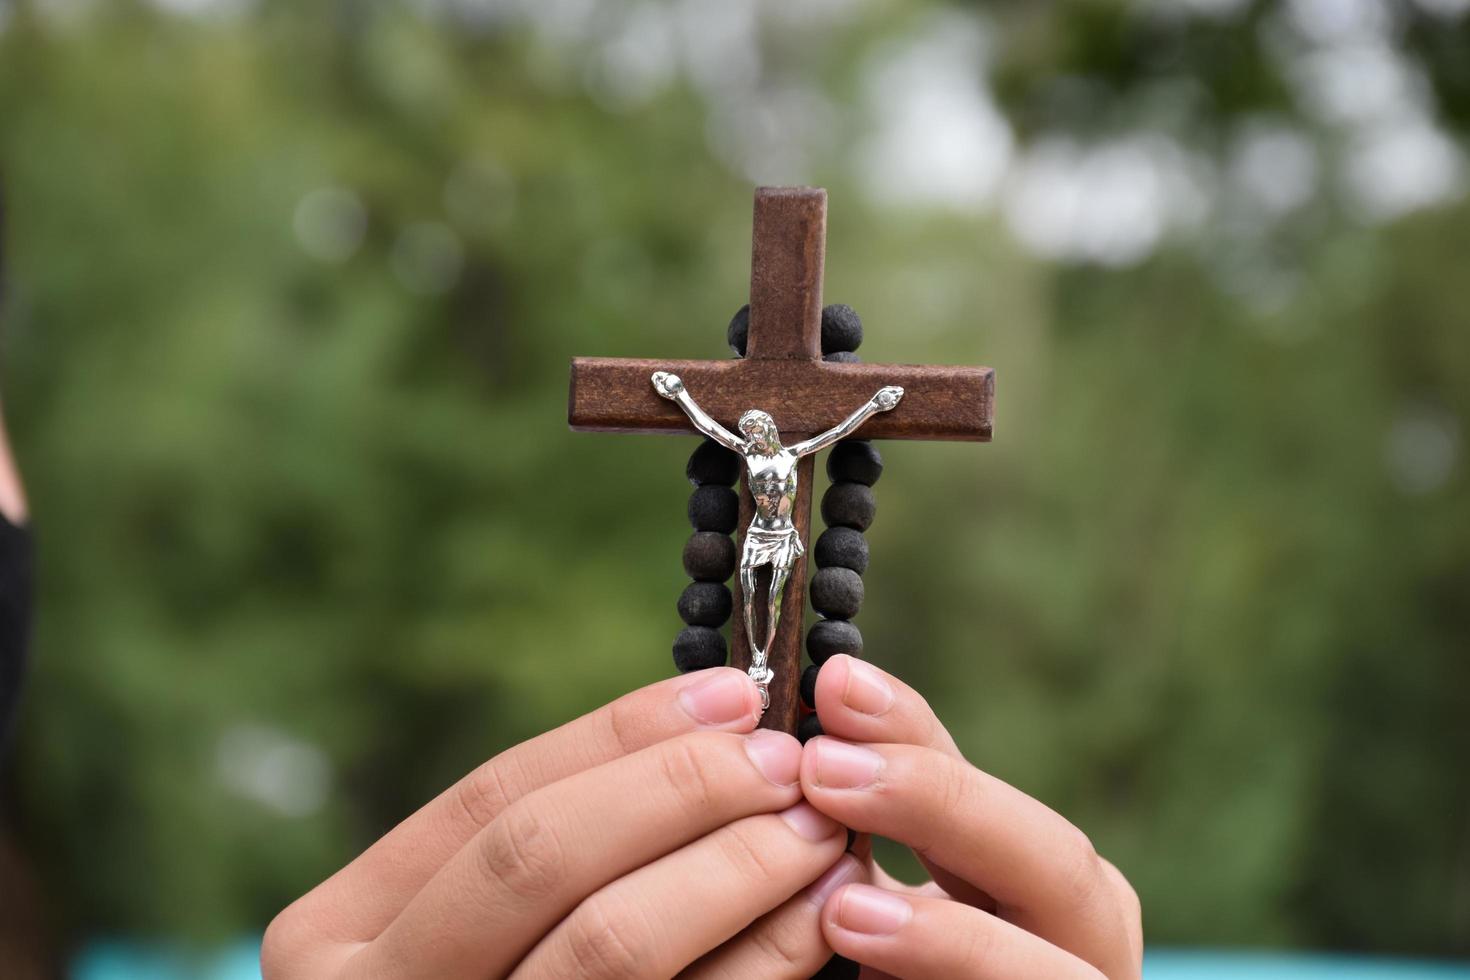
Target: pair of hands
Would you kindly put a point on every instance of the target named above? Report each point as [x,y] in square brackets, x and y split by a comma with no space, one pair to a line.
[662,834]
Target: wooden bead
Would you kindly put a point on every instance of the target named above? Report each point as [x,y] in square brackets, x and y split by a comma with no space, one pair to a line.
[837,592]
[738,333]
[842,329]
[809,685]
[829,637]
[842,357]
[709,556]
[808,728]
[846,504]
[713,508]
[839,967]
[705,604]
[713,464]
[852,461]
[840,547]
[698,648]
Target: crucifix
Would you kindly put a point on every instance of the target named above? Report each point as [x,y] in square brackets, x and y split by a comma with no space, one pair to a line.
[783,377]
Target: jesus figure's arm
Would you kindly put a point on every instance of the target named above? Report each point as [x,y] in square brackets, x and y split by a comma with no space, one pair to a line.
[671,387]
[883,401]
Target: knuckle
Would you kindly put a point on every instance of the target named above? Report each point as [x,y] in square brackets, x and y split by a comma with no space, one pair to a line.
[1126,893]
[605,944]
[747,855]
[522,853]
[949,785]
[686,765]
[1131,910]
[955,786]
[1082,876]
[482,794]
[625,718]
[278,945]
[294,944]
[786,949]
[977,949]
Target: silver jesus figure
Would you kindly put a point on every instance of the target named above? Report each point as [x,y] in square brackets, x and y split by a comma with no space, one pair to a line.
[771,538]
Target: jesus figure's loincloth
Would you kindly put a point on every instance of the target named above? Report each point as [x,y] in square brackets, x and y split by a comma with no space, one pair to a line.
[779,549]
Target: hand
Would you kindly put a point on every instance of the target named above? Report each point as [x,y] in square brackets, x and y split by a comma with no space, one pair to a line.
[888,398]
[667,385]
[1018,892]
[632,841]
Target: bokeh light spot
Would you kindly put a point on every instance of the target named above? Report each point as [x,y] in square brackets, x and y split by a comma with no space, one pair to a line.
[330,223]
[281,773]
[1421,449]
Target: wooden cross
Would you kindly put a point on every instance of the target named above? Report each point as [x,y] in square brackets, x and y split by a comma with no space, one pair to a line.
[783,373]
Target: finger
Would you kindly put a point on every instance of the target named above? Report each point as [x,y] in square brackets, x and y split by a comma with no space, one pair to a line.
[641,926]
[550,849]
[860,703]
[1132,912]
[921,938]
[880,877]
[786,942]
[1042,871]
[359,901]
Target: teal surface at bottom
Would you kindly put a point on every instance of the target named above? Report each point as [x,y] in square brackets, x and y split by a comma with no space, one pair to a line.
[124,960]
[1172,964]
[121,960]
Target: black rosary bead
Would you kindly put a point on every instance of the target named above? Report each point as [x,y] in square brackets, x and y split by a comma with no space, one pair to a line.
[809,685]
[853,461]
[837,592]
[712,464]
[739,330]
[808,728]
[713,508]
[847,504]
[841,547]
[842,329]
[709,556]
[698,648]
[829,637]
[705,604]
[839,967]
[842,357]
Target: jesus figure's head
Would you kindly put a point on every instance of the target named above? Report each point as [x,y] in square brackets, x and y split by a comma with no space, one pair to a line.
[759,429]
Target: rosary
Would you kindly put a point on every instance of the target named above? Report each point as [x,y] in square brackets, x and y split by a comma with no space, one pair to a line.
[796,361]
[772,539]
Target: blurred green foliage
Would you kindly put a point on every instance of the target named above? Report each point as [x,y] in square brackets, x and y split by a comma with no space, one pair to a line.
[293,292]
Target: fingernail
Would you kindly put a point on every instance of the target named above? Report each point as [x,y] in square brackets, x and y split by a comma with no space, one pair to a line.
[719,699]
[867,691]
[809,822]
[841,765]
[846,869]
[872,911]
[776,754]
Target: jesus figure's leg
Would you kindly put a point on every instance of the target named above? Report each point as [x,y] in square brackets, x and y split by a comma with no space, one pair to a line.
[747,590]
[773,602]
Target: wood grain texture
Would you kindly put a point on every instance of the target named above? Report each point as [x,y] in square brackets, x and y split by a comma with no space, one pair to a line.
[950,403]
[788,249]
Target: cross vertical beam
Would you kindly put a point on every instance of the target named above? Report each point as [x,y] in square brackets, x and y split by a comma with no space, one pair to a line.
[787,255]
